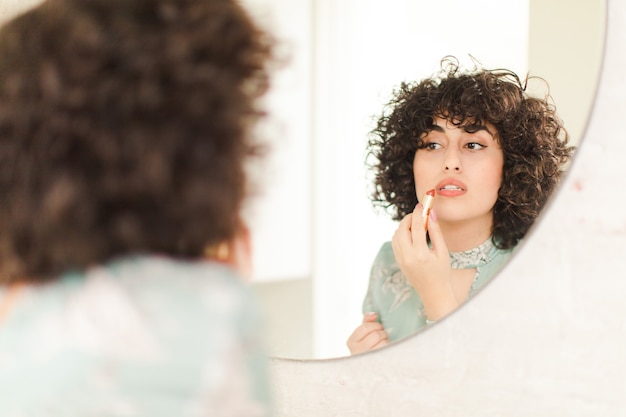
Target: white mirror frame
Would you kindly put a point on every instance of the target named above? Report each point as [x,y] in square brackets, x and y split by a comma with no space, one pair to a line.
[545,338]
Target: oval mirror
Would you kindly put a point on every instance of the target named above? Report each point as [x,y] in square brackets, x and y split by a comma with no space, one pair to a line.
[314,228]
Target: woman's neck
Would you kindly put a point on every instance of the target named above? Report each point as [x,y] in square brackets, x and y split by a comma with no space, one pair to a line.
[463,236]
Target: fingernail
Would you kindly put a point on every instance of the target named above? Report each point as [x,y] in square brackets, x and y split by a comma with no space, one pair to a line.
[370,315]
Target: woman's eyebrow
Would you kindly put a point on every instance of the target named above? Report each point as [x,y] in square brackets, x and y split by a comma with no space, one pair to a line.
[474,127]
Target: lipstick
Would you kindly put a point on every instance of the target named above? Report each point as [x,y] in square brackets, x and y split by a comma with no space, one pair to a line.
[429,199]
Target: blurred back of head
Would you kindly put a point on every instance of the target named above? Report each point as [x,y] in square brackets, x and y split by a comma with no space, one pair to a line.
[125,126]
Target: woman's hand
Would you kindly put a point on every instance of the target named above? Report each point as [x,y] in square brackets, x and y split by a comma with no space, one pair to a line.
[368,336]
[427,268]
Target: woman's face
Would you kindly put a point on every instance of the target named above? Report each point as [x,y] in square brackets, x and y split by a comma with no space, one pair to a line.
[464,166]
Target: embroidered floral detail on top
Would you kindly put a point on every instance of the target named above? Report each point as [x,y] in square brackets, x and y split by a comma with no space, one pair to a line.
[399,286]
[473,258]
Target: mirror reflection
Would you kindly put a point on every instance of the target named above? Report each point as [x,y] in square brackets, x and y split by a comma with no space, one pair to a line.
[485,157]
[316,235]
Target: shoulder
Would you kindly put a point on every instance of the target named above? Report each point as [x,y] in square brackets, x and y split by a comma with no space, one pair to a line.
[385,254]
[204,286]
[157,299]
[502,256]
[384,264]
[498,259]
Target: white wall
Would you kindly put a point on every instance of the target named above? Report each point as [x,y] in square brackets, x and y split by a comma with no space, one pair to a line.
[566,45]
[9,8]
[280,216]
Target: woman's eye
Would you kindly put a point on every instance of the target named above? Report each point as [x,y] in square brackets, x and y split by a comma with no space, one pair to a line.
[431,146]
[475,146]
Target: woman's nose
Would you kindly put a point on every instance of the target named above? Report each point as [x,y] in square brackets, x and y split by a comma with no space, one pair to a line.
[452,162]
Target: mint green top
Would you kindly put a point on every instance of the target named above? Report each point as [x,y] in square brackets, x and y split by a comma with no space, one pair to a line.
[399,307]
[144,336]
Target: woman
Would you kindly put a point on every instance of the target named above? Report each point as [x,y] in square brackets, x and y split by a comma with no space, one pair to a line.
[492,156]
[125,126]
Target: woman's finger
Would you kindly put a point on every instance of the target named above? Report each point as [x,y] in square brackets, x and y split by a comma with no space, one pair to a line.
[418,234]
[436,237]
[374,338]
[366,336]
[382,343]
[364,329]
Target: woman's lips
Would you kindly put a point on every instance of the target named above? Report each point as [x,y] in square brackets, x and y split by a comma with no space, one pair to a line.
[451,188]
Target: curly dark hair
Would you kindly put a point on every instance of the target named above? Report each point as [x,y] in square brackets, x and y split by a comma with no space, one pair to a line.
[533,140]
[125,128]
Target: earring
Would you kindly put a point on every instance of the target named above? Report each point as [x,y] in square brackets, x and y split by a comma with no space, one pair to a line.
[219,252]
